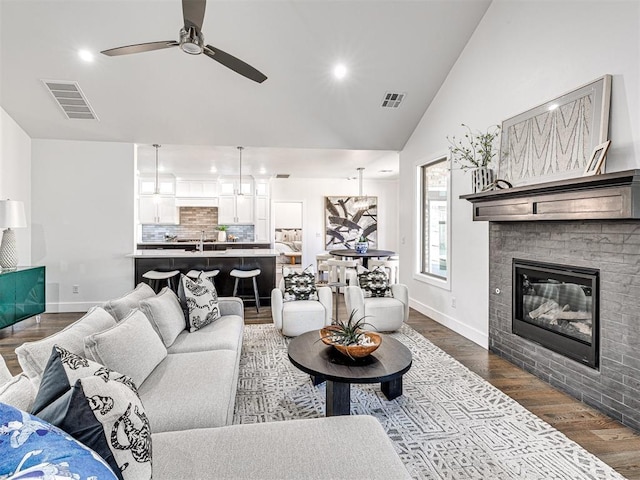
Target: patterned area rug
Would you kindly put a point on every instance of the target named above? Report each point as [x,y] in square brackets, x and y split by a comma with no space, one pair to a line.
[448,424]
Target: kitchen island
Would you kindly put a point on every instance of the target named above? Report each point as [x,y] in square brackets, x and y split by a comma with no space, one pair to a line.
[207,244]
[223,260]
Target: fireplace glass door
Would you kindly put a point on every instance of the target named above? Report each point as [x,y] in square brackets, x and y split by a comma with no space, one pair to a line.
[556,306]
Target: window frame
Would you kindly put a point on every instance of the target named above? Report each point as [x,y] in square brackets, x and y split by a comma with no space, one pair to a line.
[437,281]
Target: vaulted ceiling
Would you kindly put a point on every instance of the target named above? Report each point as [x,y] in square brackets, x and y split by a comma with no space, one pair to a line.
[201,108]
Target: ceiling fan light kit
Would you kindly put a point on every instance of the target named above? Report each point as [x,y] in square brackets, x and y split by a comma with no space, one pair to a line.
[192,42]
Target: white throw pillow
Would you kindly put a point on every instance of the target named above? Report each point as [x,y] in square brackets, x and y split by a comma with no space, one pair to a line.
[132,347]
[279,236]
[18,392]
[33,356]
[121,307]
[165,314]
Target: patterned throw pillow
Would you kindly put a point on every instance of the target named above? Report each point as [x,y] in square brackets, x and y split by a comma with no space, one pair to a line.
[199,301]
[98,407]
[33,448]
[299,286]
[375,283]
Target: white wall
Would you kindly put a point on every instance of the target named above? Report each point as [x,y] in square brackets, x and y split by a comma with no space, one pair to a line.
[287,215]
[15,177]
[83,223]
[522,54]
[311,191]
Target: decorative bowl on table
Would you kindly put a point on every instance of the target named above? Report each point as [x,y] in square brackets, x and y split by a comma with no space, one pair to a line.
[370,341]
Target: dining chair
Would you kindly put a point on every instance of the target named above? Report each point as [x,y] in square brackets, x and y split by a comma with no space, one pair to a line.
[390,266]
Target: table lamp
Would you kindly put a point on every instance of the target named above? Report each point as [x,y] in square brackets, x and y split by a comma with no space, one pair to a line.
[11,216]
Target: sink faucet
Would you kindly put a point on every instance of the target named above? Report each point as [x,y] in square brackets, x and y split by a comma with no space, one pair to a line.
[201,243]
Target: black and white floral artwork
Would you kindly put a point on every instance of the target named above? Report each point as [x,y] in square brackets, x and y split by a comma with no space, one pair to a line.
[345,222]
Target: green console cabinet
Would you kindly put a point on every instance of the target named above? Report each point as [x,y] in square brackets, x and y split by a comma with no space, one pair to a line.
[21,294]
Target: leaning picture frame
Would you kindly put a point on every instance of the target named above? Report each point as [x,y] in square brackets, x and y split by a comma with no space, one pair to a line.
[553,141]
[597,159]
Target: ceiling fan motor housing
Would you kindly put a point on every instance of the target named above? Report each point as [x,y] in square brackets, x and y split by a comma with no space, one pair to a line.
[191,41]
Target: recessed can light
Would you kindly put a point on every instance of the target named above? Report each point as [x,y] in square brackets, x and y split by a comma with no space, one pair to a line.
[85,55]
[213,169]
[340,71]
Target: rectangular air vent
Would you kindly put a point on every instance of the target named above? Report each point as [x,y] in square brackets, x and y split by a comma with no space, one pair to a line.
[393,100]
[283,175]
[70,99]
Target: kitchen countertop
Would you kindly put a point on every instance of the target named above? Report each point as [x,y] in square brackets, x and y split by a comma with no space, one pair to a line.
[236,252]
[196,242]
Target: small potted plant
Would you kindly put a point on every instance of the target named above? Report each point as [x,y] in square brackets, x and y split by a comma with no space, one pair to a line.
[349,338]
[476,151]
[222,233]
[362,244]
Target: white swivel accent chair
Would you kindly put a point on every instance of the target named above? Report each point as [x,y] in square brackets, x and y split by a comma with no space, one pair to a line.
[384,314]
[296,317]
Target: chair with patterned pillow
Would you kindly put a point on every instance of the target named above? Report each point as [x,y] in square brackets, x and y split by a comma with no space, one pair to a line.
[385,306]
[298,305]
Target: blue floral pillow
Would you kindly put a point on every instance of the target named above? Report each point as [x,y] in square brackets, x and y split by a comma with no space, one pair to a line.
[32,448]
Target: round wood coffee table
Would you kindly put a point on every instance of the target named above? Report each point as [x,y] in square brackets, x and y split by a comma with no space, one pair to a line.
[324,363]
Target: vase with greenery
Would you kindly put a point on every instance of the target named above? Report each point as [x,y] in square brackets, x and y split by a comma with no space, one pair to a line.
[362,244]
[222,233]
[476,151]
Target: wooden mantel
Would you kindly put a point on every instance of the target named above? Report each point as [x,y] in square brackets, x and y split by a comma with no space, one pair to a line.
[608,196]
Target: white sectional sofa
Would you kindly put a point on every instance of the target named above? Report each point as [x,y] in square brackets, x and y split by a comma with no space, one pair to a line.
[188,391]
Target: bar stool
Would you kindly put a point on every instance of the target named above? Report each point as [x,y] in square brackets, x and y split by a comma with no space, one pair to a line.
[194,274]
[156,277]
[242,274]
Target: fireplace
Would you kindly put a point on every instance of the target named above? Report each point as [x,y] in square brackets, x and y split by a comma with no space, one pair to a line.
[557,307]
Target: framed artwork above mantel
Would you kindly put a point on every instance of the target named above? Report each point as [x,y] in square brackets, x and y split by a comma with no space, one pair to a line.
[554,141]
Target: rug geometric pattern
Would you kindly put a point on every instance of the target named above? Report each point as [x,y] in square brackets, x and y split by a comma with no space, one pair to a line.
[448,424]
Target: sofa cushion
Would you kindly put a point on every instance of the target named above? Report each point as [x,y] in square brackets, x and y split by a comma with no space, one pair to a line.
[5,374]
[213,452]
[89,402]
[374,283]
[191,390]
[131,347]
[18,392]
[165,314]
[299,286]
[200,301]
[224,333]
[33,356]
[53,450]
[119,308]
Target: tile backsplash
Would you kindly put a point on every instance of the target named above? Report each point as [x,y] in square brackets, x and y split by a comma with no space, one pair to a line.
[193,220]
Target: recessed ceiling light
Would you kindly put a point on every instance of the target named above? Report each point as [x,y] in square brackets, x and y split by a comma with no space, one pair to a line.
[213,169]
[85,55]
[263,171]
[161,168]
[340,71]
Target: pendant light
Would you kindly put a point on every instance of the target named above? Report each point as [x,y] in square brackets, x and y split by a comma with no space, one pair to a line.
[361,202]
[240,183]
[156,190]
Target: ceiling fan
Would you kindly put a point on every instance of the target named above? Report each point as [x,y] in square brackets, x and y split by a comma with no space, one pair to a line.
[192,42]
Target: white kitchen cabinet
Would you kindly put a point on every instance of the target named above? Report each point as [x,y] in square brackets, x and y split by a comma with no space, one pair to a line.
[157,210]
[235,209]
[229,186]
[262,219]
[196,188]
[166,185]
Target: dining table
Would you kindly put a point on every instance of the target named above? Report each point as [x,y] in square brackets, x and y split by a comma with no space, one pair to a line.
[365,256]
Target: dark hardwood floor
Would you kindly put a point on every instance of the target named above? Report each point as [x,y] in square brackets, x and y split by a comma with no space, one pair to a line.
[615,444]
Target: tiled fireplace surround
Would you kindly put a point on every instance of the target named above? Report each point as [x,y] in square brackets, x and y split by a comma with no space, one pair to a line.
[613,246]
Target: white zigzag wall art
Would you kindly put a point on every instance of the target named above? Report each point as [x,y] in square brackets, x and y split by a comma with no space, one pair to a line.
[555,140]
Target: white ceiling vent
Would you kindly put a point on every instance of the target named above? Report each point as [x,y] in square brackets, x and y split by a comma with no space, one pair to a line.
[283,175]
[70,99]
[393,100]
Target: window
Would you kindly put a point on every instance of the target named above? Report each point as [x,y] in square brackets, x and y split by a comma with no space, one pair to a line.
[434,219]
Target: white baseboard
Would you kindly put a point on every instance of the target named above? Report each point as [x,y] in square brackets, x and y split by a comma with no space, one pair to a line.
[70,307]
[466,331]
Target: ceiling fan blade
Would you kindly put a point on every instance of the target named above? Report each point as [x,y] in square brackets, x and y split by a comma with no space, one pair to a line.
[193,13]
[139,48]
[234,64]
